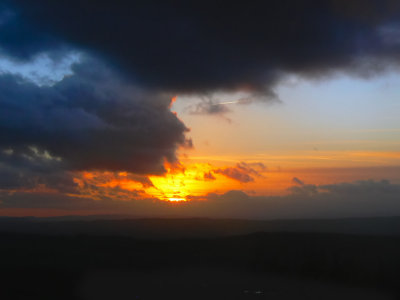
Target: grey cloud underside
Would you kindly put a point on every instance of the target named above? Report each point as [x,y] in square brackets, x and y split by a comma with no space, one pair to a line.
[297,181]
[91,120]
[202,46]
[207,107]
[25,176]
[235,174]
[354,199]
[243,172]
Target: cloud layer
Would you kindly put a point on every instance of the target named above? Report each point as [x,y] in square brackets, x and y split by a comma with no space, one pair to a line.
[353,199]
[199,46]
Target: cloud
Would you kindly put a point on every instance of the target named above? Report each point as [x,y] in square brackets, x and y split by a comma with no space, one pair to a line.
[236,174]
[296,180]
[200,46]
[305,189]
[117,186]
[353,199]
[208,107]
[243,172]
[73,204]
[12,179]
[366,186]
[33,169]
[92,119]
[255,168]
[43,69]
[214,105]
[209,176]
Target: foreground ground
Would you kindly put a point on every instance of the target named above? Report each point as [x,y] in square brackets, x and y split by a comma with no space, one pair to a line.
[274,265]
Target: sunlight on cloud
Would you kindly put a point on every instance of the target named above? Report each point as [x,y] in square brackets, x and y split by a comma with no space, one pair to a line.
[43,70]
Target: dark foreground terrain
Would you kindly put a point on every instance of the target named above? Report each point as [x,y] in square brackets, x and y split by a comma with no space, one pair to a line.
[259,265]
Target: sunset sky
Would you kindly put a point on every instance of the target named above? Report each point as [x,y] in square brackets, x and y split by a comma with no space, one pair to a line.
[271,109]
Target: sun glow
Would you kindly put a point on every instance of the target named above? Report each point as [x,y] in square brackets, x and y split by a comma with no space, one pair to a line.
[176,199]
[178,184]
[187,181]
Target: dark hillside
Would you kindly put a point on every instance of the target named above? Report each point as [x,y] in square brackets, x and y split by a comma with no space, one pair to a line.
[42,266]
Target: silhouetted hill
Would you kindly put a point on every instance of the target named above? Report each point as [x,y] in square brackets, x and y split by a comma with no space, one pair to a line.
[109,257]
[196,227]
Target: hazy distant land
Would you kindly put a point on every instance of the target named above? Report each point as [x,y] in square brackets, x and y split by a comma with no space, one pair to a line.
[150,228]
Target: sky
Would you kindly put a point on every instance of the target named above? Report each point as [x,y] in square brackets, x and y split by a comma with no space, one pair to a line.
[278,109]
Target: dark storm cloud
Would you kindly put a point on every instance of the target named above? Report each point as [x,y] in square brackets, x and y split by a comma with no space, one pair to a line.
[90,120]
[199,46]
[32,168]
[21,38]
[25,179]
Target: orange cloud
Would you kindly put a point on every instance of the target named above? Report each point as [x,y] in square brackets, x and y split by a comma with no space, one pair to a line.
[188,180]
[179,182]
